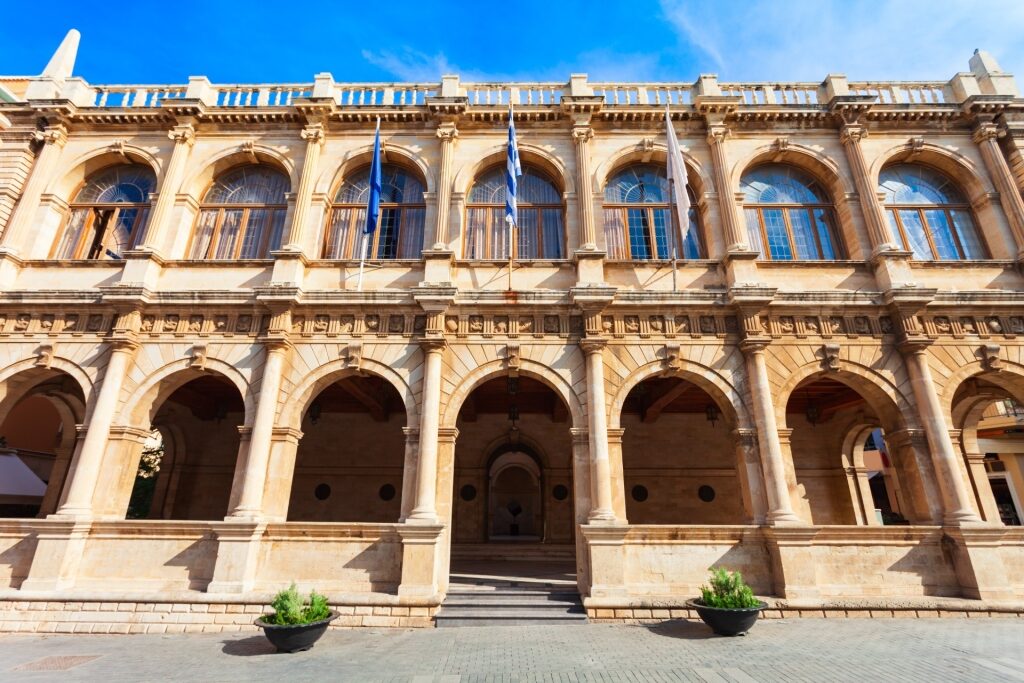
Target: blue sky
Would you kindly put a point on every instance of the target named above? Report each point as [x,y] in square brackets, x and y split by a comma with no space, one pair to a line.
[666,40]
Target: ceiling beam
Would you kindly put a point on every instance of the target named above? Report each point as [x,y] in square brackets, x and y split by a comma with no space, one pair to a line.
[378,411]
[651,412]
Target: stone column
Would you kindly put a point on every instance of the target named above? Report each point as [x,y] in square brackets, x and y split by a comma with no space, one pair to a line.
[601,511]
[748,467]
[986,135]
[878,227]
[425,511]
[617,473]
[18,236]
[955,497]
[447,134]
[582,136]
[780,508]
[254,478]
[16,161]
[85,470]
[314,134]
[156,237]
[860,492]
[735,236]
[982,488]
[412,442]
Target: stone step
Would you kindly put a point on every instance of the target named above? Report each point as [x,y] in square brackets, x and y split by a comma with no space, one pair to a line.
[509,615]
[514,552]
[511,600]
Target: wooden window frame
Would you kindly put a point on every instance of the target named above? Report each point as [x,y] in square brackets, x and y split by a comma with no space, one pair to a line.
[87,235]
[243,229]
[809,209]
[649,208]
[375,241]
[947,209]
[514,244]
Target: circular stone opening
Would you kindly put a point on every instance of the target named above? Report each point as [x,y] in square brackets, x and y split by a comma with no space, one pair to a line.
[639,493]
[387,492]
[322,492]
[467,492]
[560,492]
[706,493]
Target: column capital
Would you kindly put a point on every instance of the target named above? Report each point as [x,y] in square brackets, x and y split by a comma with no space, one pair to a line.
[912,346]
[56,134]
[184,133]
[314,133]
[717,133]
[433,344]
[447,131]
[592,346]
[754,345]
[582,134]
[447,434]
[986,130]
[852,133]
[276,344]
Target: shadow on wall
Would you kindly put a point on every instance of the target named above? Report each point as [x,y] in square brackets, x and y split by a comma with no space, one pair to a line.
[198,559]
[752,560]
[19,558]
[935,566]
[376,561]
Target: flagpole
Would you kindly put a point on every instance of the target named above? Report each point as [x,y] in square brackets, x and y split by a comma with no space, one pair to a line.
[511,239]
[362,256]
[675,230]
[372,202]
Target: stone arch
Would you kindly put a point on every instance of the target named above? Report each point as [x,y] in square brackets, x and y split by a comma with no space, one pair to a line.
[819,166]
[495,446]
[857,433]
[968,176]
[224,160]
[89,163]
[722,392]
[698,179]
[141,406]
[58,363]
[1010,379]
[889,404]
[331,179]
[498,368]
[528,154]
[293,407]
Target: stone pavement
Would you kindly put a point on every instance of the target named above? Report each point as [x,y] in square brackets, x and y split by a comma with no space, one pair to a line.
[808,650]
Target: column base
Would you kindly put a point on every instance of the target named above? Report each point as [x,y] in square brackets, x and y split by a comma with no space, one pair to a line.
[238,544]
[783,518]
[602,518]
[977,557]
[606,551]
[59,548]
[420,560]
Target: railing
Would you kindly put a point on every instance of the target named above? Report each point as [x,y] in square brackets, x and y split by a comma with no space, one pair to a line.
[260,95]
[383,94]
[482,94]
[644,93]
[773,93]
[136,95]
[902,93]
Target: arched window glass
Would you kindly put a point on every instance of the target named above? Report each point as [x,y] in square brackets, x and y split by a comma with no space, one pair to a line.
[929,215]
[540,233]
[789,216]
[399,233]
[639,220]
[242,215]
[108,215]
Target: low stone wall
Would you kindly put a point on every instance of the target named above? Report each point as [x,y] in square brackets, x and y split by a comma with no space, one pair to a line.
[17,547]
[646,615]
[39,616]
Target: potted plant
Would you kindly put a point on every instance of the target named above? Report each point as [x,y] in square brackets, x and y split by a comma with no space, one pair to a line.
[295,625]
[728,605]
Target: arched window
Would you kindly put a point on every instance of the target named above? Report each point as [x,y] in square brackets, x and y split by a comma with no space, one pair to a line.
[242,215]
[789,216]
[108,215]
[540,233]
[639,221]
[399,233]
[929,215]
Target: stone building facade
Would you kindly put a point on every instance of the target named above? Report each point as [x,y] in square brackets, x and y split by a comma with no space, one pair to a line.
[793,389]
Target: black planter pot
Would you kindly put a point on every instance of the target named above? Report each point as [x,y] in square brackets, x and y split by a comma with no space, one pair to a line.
[724,621]
[295,638]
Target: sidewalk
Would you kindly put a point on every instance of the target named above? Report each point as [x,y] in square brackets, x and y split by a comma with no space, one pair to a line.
[808,650]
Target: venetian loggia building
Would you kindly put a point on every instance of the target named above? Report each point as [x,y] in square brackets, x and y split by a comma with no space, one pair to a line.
[200,404]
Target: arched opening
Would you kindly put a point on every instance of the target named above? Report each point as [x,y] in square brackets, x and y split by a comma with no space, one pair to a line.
[679,456]
[108,214]
[640,221]
[188,454]
[350,459]
[843,466]
[990,419]
[516,506]
[540,225]
[37,440]
[399,233]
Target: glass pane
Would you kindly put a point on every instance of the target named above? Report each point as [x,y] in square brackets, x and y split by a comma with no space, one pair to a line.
[119,230]
[968,234]
[533,188]
[253,237]
[754,230]
[526,239]
[553,234]
[639,235]
[895,228]
[917,184]
[225,247]
[476,226]
[915,234]
[131,183]
[343,228]
[639,183]
[691,243]
[942,234]
[803,235]
[387,240]
[276,232]
[614,234]
[204,233]
[72,234]
[411,236]
[398,186]
[823,219]
[252,184]
[781,184]
[499,235]
[661,233]
[778,240]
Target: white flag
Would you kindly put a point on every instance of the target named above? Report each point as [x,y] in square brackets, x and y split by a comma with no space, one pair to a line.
[677,181]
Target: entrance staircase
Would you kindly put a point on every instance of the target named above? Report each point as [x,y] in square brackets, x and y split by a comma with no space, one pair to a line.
[501,591]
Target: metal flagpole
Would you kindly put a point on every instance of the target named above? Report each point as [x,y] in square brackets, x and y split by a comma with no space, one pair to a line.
[511,239]
[675,231]
[372,206]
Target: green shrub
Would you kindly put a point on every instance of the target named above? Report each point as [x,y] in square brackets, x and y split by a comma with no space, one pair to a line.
[290,610]
[727,591]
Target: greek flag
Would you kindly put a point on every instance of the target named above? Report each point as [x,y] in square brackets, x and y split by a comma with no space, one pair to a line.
[373,203]
[512,171]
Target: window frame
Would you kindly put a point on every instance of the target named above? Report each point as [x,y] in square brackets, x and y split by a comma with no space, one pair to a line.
[374,245]
[243,225]
[490,213]
[623,208]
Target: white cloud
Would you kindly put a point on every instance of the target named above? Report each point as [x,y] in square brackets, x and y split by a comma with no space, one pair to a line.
[805,40]
[411,65]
